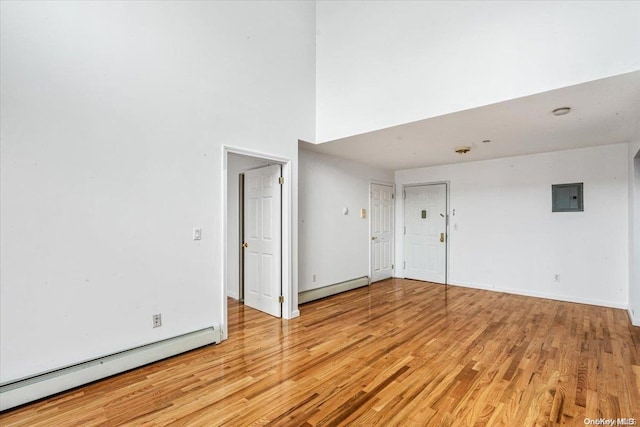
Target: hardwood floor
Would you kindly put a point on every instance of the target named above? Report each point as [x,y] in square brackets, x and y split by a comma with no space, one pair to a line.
[399,352]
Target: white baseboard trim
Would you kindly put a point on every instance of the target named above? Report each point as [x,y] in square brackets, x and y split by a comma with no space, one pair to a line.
[325,291]
[635,321]
[528,293]
[26,390]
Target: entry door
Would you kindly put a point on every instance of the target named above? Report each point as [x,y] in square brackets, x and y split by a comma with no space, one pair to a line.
[381,221]
[262,239]
[425,218]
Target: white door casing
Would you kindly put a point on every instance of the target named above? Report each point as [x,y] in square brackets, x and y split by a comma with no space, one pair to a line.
[425,219]
[381,221]
[262,239]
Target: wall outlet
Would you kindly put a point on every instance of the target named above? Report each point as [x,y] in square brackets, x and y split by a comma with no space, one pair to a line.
[157,320]
[556,278]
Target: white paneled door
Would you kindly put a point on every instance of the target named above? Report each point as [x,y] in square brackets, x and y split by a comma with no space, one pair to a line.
[425,238]
[381,220]
[262,239]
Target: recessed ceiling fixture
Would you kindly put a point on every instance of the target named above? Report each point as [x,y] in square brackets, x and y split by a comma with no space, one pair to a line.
[561,111]
[463,149]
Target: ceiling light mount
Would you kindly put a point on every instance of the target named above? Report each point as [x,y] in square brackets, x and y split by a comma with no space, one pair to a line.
[561,111]
[463,149]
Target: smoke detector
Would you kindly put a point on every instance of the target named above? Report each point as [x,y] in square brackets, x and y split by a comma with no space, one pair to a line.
[463,149]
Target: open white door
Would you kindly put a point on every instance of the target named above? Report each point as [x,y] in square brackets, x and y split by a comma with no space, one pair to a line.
[381,221]
[425,219]
[262,239]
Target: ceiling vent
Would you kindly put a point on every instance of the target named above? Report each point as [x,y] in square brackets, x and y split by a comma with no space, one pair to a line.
[463,149]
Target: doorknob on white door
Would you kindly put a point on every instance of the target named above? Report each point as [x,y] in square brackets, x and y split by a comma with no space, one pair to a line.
[374,238]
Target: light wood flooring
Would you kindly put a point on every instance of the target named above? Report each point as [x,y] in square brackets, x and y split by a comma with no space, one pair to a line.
[399,352]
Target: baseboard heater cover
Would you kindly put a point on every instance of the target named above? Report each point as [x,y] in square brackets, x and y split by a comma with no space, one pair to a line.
[29,389]
[336,288]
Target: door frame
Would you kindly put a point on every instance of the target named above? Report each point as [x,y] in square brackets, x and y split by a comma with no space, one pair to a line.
[289,282]
[393,227]
[447,241]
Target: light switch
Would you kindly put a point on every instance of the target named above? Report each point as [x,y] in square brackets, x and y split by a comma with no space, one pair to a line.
[363,213]
[197,234]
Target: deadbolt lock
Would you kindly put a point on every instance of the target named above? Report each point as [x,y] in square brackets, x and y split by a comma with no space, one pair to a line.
[245,245]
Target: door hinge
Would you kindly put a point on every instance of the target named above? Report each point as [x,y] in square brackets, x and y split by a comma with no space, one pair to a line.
[404,265]
[404,194]
[393,196]
[281,299]
[281,180]
[404,229]
[392,266]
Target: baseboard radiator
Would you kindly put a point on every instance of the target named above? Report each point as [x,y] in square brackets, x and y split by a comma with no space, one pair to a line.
[334,289]
[29,389]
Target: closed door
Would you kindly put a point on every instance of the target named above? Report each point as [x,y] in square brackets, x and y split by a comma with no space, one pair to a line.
[425,218]
[381,220]
[262,239]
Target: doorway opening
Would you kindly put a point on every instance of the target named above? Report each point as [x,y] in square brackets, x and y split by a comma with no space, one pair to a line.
[238,165]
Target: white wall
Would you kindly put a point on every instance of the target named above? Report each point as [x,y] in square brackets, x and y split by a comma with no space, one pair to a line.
[634,228]
[114,115]
[505,237]
[333,246]
[385,63]
[236,165]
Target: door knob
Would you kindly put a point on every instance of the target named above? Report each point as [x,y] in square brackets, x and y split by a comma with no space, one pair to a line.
[374,238]
[442,237]
[245,245]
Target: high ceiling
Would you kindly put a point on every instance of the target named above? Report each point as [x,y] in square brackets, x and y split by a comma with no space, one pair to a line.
[603,112]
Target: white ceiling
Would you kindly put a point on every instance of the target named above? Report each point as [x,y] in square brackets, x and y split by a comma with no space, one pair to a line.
[603,112]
